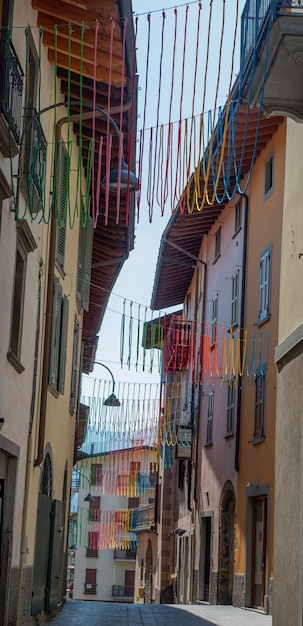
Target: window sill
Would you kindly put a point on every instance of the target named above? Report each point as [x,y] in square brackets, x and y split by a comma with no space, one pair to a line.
[53,390]
[14,361]
[216,259]
[209,444]
[255,442]
[263,320]
[229,436]
[236,232]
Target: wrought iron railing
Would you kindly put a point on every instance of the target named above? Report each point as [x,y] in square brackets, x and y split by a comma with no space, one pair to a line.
[119,591]
[145,517]
[125,555]
[11,86]
[257,17]
[34,156]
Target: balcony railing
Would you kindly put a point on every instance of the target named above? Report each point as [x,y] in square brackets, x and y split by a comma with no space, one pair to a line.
[90,588]
[11,88]
[145,518]
[256,18]
[119,591]
[34,162]
[125,555]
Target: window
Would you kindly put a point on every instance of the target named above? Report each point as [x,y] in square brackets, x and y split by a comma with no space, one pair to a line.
[181,474]
[234,298]
[25,244]
[218,243]
[210,418]
[84,263]
[90,585]
[238,215]
[264,292]
[230,409]
[94,513]
[61,194]
[92,543]
[75,365]
[259,405]
[214,320]
[268,176]
[58,338]
[133,503]
[96,474]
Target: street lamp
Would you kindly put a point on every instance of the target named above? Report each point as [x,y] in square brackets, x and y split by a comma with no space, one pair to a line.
[112,400]
[89,497]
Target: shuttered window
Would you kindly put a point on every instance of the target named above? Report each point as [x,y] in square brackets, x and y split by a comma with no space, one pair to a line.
[265,279]
[84,263]
[62,200]
[58,338]
[234,298]
[75,365]
[214,320]
[210,418]
[259,405]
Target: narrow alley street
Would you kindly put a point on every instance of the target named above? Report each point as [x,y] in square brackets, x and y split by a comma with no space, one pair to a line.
[78,613]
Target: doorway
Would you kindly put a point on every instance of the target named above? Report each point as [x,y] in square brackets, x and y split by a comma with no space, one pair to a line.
[259,551]
[226,545]
[205,558]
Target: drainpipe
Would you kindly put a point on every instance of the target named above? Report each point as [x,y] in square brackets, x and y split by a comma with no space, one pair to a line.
[242,314]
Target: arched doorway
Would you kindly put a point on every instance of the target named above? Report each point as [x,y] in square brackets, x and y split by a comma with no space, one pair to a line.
[148,573]
[226,545]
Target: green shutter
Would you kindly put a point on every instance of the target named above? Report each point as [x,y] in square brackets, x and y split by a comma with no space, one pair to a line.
[73,390]
[63,345]
[56,573]
[81,252]
[55,338]
[42,539]
[62,205]
[87,263]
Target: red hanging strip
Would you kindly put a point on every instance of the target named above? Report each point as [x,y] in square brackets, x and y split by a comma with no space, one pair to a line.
[121,123]
[177,193]
[142,133]
[130,144]
[194,89]
[95,211]
[170,126]
[108,133]
[151,202]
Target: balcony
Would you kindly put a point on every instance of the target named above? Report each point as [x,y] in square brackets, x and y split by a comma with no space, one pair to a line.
[11,88]
[274,30]
[145,520]
[90,588]
[119,591]
[33,163]
[125,555]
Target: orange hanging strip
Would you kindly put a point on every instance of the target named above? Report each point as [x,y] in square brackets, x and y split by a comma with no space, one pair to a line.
[120,156]
[108,133]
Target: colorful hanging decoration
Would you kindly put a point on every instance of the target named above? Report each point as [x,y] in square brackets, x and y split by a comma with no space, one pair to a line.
[189,157]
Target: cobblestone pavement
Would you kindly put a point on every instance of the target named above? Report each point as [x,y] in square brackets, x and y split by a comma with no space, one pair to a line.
[78,613]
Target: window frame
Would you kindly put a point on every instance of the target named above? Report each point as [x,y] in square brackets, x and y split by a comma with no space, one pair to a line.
[259,405]
[265,285]
[234,299]
[61,193]
[217,244]
[214,319]
[25,243]
[59,336]
[269,171]
[238,216]
[210,418]
[230,417]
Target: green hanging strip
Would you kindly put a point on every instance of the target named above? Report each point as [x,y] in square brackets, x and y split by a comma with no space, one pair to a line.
[144,339]
[79,197]
[152,342]
[54,192]
[138,338]
[69,142]
[130,335]
[122,334]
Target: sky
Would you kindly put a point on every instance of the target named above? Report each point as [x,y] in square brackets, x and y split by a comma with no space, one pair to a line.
[135,282]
